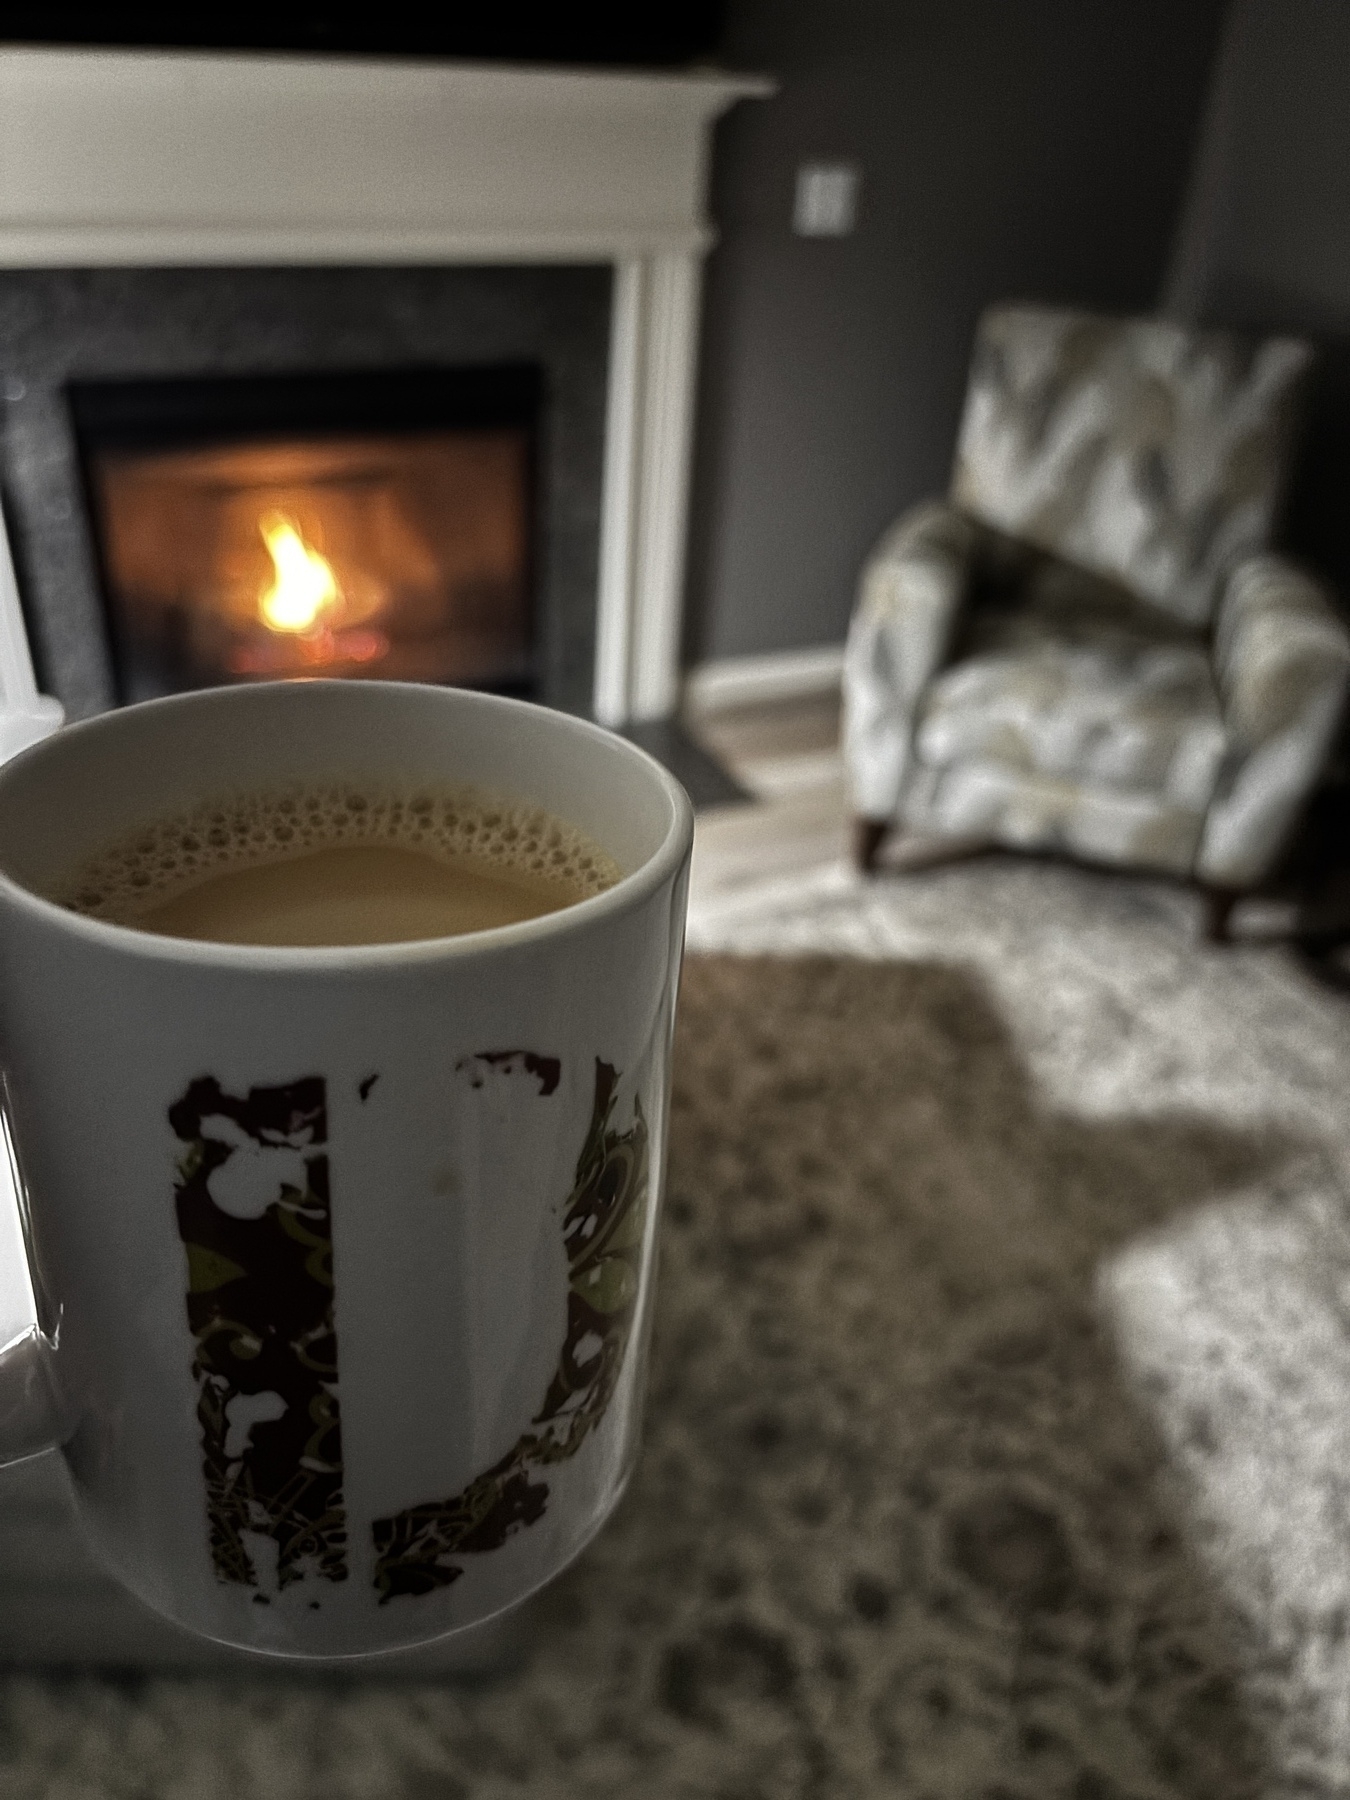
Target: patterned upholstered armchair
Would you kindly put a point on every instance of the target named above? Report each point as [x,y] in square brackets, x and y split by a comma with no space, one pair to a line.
[1089,646]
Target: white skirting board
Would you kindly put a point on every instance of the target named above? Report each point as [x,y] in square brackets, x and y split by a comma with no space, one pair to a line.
[736,681]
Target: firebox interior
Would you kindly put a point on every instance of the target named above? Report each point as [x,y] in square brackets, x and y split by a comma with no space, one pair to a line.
[376,524]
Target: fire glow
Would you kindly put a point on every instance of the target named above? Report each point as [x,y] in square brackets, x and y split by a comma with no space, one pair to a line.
[401,557]
[303,606]
[303,590]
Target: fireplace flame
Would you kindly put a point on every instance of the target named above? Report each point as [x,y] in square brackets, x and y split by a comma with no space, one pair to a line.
[304,589]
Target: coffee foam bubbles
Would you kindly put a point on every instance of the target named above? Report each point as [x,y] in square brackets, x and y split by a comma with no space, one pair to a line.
[158,861]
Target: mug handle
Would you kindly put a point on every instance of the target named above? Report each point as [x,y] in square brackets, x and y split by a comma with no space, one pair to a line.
[34,1413]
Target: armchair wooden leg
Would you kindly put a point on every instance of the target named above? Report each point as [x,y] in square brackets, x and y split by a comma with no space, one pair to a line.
[1219,904]
[868,837]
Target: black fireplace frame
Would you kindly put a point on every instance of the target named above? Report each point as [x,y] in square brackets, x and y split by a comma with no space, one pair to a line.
[183,412]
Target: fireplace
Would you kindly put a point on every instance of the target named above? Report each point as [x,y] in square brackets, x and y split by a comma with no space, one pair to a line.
[338,524]
[398,402]
[172,216]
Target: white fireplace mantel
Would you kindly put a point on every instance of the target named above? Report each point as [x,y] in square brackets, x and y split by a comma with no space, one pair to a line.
[143,158]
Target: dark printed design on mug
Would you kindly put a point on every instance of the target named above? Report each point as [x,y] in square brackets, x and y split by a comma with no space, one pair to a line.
[603,1220]
[253,1213]
[547,1070]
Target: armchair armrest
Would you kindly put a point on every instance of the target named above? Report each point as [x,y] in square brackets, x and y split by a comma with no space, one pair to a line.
[1282,663]
[909,599]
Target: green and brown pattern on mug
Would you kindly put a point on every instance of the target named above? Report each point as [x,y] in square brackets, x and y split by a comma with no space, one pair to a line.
[603,1225]
[260,1308]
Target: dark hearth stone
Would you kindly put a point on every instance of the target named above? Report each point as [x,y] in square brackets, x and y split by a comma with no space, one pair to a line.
[703,778]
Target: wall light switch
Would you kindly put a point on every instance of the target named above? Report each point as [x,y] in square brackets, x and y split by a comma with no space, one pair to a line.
[826,202]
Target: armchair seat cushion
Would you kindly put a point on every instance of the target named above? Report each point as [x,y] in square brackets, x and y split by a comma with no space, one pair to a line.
[1104,710]
[1002,805]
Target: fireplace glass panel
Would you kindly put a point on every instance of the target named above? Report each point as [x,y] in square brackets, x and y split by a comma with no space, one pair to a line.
[399,554]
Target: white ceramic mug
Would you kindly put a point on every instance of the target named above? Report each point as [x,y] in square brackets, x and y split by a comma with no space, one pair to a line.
[343,1258]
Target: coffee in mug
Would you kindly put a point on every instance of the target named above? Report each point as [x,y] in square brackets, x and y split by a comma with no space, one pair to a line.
[341,863]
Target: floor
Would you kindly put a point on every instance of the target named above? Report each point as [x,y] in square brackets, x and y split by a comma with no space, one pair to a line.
[786,756]
[1228,1324]
[1120,1057]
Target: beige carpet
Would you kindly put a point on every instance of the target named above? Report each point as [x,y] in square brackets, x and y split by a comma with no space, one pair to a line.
[922,1510]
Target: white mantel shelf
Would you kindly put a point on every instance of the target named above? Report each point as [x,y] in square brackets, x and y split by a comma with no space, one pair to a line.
[144,158]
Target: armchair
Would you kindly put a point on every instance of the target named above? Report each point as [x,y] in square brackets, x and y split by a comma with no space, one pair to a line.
[1089,647]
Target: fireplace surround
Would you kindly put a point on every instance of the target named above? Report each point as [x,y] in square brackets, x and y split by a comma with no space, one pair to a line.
[178,186]
[200,334]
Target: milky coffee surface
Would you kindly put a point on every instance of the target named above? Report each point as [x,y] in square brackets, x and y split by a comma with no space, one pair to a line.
[341,863]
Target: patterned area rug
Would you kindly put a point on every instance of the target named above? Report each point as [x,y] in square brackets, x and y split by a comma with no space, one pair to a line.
[998,1436]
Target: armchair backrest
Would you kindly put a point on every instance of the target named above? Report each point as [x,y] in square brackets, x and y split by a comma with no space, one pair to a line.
[1134,447]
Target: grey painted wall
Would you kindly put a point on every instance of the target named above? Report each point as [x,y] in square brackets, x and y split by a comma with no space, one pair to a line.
[1010,148]
[1268,219]
[1266,236]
